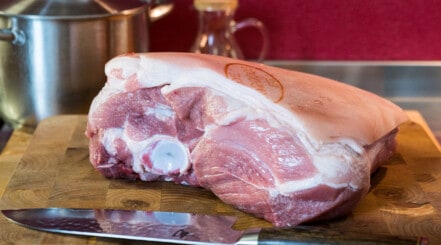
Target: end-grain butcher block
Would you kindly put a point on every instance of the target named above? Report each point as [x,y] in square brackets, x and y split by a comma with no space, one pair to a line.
[285,146]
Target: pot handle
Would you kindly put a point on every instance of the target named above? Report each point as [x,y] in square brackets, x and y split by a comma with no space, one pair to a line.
[159,8]
[17,37]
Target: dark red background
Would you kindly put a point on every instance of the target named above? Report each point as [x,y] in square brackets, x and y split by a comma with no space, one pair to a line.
[321,29]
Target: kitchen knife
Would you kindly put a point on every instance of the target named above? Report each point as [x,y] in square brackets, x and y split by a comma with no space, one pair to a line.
[182,228]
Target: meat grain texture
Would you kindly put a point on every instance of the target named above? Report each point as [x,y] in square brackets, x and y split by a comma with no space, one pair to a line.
[286,146]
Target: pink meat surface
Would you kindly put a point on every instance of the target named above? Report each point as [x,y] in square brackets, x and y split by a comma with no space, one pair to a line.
[286,146]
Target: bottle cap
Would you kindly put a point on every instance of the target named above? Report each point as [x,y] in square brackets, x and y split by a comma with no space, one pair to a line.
[215,5]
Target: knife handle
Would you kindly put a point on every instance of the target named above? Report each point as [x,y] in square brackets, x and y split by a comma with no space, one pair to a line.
[318,235]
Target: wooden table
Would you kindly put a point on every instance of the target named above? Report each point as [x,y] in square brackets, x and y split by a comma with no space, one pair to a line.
[50,168]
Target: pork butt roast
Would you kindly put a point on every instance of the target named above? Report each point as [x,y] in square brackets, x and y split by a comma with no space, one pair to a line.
[285,146]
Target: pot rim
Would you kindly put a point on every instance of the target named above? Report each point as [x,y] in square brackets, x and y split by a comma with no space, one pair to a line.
[128,12]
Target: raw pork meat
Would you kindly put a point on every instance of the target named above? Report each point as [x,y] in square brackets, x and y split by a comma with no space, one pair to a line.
[285,146]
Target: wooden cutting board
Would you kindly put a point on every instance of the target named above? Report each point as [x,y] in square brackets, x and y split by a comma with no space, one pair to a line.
[54,171]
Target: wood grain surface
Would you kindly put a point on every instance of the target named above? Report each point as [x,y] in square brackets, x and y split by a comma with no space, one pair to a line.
[50,168]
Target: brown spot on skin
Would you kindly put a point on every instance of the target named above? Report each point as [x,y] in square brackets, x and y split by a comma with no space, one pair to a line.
[256,78]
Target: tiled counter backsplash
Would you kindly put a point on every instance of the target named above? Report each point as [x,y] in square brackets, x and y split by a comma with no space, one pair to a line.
[321,29]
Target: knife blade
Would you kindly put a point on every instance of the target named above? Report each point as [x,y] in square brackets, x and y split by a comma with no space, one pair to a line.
[182,228]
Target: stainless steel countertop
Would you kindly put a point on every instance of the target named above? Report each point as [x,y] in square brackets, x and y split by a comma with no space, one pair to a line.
[413,85]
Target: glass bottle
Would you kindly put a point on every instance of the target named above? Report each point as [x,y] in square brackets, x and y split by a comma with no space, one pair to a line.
[217,28]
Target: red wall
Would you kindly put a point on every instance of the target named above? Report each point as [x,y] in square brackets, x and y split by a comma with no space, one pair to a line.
[321,29]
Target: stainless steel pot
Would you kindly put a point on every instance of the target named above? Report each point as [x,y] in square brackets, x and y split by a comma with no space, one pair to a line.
[52,53]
